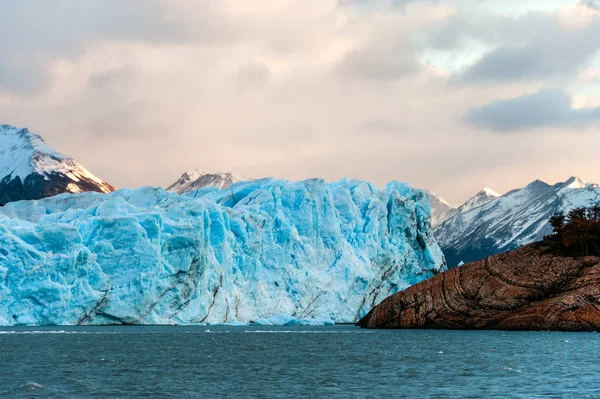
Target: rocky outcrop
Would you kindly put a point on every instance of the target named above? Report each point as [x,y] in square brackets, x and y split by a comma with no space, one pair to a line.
[37,186]
[531,288]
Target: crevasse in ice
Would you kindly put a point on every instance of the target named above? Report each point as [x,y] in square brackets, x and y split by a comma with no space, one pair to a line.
[261,251]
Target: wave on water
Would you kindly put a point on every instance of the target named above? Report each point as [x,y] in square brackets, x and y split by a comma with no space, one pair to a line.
[299,332]
[32,386]
[56,332]
[185,331]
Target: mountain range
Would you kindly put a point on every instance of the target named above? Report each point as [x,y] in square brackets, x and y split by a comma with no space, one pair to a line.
[490,223]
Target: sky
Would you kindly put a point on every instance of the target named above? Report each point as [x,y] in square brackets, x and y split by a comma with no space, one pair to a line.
[451,96]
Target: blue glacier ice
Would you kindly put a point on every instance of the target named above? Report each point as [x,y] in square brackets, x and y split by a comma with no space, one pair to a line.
[265,251]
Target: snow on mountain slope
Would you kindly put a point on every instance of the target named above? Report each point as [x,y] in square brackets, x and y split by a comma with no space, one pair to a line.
[264,250]
[481,198]
[440,209]
[492,225]
[195,179]
[29,169]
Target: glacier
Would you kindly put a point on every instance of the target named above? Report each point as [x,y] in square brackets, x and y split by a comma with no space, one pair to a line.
[263,251]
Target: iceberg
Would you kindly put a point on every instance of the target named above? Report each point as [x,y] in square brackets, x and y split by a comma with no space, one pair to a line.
[267,250]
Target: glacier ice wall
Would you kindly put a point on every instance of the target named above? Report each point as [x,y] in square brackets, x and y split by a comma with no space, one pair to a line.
[306,250]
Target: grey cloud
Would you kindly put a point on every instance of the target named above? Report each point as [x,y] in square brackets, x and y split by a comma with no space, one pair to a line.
[118,110]
[112,77]
[65,25]
[531,61]
[124,119]
[593,4]
[546,108]
[22,79]
[535,46]
[549,51]
[381,59]
[517,63]
[399,4]
[36,32]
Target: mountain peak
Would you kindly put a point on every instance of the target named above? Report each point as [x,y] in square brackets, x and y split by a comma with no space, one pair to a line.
[30,169]
[440,209]
[481,198]
[192,174]
[489,192]
[195,179]
[440,199]
[575,182]
[23,153]
[537,183]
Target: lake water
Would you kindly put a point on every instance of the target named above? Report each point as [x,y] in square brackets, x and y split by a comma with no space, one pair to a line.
[332,362]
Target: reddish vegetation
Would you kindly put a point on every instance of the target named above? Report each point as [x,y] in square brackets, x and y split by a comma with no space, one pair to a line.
[532,288]
[577,233]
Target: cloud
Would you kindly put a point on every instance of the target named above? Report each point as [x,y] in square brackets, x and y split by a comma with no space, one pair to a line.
[516,63]
[546,46]
[538,45]
[541,60]
[380,62]
[295,89]
[593,4]
[390,4]
[385,56]
[546,108]
[112,77]
[22,78]
[40,32]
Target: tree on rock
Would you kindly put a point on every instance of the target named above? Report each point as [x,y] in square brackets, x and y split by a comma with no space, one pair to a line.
[577,233]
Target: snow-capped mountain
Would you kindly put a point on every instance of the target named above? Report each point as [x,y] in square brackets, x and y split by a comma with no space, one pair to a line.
[195,179]
[30,169]
[440,209]
[481,198]
[488,224]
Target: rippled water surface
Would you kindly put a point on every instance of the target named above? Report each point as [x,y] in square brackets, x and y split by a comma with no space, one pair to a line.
[337,361]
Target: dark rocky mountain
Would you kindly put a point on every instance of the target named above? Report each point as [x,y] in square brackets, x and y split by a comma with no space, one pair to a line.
[29,169]
[531,288]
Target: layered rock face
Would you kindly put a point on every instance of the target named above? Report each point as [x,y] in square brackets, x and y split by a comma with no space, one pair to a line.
[530,288]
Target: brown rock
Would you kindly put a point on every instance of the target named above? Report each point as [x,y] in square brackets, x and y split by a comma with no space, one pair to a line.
[531,288]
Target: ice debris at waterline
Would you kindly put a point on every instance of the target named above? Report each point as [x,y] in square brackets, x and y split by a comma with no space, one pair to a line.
[306,250]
